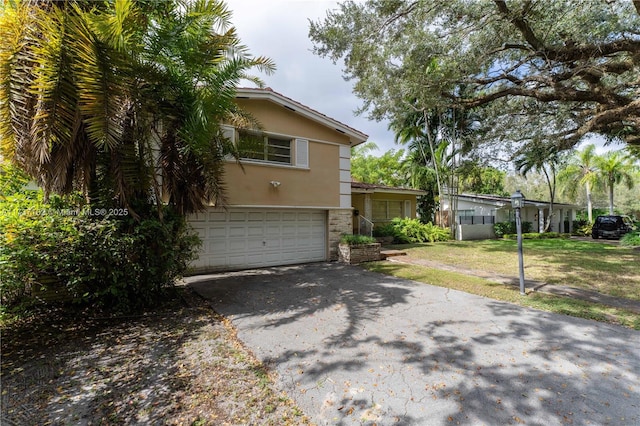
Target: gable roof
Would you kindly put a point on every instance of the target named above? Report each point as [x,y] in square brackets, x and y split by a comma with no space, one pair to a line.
[356,137]
[364,188]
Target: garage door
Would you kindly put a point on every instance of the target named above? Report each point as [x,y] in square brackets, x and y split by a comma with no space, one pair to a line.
[248,238]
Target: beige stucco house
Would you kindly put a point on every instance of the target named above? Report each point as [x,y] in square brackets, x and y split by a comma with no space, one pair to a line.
[290,199]
[378,204]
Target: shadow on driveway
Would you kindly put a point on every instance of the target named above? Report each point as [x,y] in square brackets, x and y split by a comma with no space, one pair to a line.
[356,347]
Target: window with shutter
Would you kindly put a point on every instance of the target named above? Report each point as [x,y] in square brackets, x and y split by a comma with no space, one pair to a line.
[260,147]
[229,132]
[407,208]
[302,153]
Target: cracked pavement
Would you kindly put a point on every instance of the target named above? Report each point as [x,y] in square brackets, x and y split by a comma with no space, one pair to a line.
[355,347]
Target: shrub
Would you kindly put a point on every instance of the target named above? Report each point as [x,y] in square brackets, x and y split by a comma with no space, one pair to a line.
[502,228]
[631,239]
[354,240]
[115,262]
[414,231]
[582,227]
[385,230]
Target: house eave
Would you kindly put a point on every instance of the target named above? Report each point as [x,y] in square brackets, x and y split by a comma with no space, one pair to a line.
[355,136]
[403,191]
[505,202]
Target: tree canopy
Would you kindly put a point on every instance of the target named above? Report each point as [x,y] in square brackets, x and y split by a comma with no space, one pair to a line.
[121,100]
[384,170]
[566,68]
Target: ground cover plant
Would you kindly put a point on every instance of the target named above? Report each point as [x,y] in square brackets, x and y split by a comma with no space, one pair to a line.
[354,240]
[632,239]
[413,231]
[180,364]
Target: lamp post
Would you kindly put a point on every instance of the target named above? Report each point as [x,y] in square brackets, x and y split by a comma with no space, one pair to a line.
[517,202]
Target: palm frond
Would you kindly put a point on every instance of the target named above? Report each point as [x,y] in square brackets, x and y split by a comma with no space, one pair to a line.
[15,20]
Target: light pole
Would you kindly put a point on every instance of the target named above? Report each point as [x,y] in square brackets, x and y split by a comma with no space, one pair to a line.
[517,202]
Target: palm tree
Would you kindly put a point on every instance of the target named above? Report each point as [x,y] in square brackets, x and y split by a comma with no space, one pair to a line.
[106,98]
[581,171]
[614,169]
[543,158]
[436,140]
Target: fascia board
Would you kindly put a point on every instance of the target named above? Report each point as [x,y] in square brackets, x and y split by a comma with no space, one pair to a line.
[356,137]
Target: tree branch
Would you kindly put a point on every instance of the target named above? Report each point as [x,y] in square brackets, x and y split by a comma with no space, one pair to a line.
[521,24]
[397,16]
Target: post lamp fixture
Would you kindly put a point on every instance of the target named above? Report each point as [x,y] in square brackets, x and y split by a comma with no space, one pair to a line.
[517,202]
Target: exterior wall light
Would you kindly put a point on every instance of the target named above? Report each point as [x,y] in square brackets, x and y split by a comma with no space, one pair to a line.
[275,183]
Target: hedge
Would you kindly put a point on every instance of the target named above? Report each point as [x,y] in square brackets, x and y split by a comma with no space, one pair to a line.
[112,261]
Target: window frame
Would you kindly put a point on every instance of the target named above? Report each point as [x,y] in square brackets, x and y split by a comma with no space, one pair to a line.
[266,156]
[388,217]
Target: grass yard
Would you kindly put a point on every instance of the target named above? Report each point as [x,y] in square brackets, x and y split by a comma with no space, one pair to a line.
[602,267]
[596,266]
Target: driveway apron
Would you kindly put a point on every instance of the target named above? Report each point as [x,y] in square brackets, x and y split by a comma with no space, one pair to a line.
[354,347]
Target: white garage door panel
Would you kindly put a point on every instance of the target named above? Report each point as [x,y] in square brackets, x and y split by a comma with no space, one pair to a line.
[248,238]
[216,217]
[217,232]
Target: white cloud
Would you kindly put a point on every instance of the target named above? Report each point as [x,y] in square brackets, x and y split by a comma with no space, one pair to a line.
[279,29]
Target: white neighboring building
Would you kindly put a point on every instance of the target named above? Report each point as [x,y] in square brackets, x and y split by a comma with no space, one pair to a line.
[476,215]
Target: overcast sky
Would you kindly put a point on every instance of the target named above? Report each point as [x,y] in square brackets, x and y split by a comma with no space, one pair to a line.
[279,29]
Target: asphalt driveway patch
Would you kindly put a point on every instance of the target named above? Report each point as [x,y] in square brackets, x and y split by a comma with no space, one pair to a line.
[356,347]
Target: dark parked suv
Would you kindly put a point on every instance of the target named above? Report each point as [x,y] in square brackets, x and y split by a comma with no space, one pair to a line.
[611,226]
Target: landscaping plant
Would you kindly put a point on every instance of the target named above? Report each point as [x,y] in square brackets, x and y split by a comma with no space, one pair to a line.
[414,231]
[354,240]
[502,228]
[110,261]
[385,230]
[582,228]
[632,239]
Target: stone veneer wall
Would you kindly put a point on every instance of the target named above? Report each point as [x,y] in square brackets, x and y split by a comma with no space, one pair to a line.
[359,253]
[340,222]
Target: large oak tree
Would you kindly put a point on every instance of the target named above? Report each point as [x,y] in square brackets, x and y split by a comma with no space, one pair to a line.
[561,69]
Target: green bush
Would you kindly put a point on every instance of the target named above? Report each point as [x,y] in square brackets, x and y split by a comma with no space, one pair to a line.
[584,230]
[631,239]
[414,231]
[115,261]
[354,240]
[502,228]
[384,230]
[582,227]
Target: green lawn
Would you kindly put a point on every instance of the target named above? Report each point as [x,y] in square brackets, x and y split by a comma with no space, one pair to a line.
[596,266]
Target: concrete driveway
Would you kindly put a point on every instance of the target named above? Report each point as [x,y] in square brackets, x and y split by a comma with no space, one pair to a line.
[355,347]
